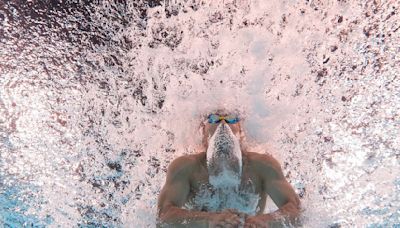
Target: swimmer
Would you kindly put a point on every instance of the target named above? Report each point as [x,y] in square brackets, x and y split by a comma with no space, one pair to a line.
[219,182]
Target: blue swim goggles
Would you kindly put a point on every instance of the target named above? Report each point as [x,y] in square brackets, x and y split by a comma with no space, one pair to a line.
[215,118]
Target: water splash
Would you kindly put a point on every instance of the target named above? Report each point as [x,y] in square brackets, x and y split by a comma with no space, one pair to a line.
[224,151]
[97,99]
[218,197]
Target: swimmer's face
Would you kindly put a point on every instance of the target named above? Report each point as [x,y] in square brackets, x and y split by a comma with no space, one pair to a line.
[223,151]
[209,129]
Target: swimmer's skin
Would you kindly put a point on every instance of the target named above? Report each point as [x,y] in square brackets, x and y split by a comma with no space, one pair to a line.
[184,171]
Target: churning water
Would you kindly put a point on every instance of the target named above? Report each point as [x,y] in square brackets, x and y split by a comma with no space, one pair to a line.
[98,97]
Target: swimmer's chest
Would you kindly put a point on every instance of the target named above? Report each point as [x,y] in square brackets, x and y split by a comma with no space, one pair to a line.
[250,199]
[250,182]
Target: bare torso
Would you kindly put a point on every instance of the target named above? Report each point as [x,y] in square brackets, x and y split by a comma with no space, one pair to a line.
[189,200]
[251,184]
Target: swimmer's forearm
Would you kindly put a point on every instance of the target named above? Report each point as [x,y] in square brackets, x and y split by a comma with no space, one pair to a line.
[178,217]
[289,212]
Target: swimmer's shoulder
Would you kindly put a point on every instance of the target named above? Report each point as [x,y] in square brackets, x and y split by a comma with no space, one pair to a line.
[182,166]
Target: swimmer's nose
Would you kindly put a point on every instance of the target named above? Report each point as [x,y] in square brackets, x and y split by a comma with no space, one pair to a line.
[224,124]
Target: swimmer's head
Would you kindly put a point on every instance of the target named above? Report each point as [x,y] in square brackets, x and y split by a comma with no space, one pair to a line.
[223,152]
[208,129]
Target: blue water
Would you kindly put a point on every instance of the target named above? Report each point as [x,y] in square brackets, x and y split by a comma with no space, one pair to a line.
[13,211]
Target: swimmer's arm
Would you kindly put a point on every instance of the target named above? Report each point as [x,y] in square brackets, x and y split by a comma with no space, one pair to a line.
[174,195]
[281,192]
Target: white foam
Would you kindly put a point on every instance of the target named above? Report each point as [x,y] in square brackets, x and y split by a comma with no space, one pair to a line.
[224,147]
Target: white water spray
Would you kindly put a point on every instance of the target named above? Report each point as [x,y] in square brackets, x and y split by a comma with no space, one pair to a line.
[224,157]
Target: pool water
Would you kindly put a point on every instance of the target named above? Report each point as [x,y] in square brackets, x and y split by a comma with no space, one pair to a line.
[98,97]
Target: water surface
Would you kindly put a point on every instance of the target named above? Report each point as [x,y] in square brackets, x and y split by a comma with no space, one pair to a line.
[96,99]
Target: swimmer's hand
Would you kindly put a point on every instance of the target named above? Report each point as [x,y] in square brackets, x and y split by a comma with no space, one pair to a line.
[240,214]
[256,221]
[229,218]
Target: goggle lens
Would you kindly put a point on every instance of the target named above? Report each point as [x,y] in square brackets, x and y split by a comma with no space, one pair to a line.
[214,118]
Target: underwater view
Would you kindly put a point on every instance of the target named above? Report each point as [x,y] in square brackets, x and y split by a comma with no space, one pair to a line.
[97,98]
